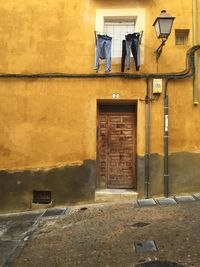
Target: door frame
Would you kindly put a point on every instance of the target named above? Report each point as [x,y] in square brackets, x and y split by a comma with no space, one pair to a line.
[114,103]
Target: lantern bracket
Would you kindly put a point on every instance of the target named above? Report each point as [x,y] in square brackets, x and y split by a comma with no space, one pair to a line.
[158,51]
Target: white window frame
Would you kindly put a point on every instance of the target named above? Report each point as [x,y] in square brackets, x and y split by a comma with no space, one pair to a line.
[116,49]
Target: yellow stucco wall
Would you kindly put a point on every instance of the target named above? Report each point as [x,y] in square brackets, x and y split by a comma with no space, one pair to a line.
[58,36]
[52,122]
[47,123]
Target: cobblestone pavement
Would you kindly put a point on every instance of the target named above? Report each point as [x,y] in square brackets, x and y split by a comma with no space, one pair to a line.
[103,235]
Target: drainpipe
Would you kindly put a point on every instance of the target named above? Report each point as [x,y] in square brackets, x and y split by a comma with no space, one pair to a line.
[147,141]
[166,138]
[195,42]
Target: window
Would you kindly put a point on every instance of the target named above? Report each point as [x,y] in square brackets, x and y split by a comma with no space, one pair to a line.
[181,37]
[117,28]
[116,21]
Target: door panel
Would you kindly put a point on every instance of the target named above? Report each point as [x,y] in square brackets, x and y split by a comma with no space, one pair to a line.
[116,150]
[102,150]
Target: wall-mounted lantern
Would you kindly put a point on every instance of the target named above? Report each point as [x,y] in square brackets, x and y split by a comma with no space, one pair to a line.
[163,26]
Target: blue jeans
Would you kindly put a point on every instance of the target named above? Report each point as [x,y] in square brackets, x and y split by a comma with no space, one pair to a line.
[128,53]
[103,51]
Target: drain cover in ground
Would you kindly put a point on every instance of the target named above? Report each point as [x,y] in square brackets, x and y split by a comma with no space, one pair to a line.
[166,201]
[160,264]
[54,212]
[146,246]
[146,202]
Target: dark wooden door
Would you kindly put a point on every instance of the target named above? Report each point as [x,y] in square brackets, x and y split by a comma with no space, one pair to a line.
[116,150]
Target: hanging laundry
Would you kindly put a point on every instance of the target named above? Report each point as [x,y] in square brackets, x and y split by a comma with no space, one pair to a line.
[103,51]
[123,55]
[132,45]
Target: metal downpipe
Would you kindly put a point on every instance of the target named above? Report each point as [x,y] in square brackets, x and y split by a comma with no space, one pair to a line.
[166,138]
[195,42]
[147,141]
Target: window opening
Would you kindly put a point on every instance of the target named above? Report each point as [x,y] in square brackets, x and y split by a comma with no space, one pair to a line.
[181,37]
[117,28]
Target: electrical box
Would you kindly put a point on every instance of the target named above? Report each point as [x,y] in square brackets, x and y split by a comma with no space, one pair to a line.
[157,86]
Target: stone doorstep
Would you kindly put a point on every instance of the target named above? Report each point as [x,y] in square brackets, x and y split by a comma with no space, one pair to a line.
[114,195]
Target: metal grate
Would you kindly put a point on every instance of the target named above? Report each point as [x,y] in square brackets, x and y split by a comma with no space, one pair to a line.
[42,197]
[146,246]
[54,212]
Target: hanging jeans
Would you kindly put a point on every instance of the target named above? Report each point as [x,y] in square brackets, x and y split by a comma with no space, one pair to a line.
[132,45]
[135,48]
[103,51]
[123,55]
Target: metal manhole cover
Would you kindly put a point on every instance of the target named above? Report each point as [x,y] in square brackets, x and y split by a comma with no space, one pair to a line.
[54,212]
[146,246]
[160,264]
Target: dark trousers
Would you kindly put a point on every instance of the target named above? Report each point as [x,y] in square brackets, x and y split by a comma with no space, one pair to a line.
[132,43]
[123,55]
[135,48]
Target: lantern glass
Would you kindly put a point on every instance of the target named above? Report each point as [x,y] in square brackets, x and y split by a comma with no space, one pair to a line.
[157,28]
[163,25]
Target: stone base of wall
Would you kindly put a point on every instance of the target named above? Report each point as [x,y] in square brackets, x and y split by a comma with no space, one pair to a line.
[184,174]
[69,184]
[75,184]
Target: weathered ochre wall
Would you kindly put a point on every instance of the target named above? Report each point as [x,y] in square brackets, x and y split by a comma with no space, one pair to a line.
[48,123]
[51,123]
[58,36]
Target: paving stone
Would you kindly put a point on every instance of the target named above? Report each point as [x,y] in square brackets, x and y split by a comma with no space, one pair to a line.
[197,196]
[146,202]
[166,201]
[184,198]
[146,246]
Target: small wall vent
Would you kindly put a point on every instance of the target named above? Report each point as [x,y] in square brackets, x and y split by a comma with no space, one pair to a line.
[41,197]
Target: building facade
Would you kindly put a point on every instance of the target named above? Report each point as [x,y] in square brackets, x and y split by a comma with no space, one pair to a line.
[67,131]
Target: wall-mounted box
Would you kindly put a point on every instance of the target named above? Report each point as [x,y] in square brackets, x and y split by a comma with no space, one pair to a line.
[157,86]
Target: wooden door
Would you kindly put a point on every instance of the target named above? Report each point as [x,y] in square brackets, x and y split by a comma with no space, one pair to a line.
[116,150]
